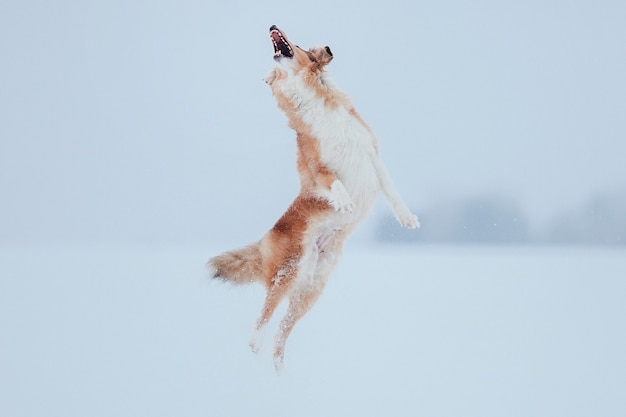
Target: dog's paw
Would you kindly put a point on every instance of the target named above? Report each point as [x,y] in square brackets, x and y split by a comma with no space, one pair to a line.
[406,218]
[339,198]
[255,346]
[410,222]
[270,77]
[256,340]
[279,364]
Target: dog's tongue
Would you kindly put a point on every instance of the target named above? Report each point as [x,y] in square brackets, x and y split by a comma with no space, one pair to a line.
[275,34]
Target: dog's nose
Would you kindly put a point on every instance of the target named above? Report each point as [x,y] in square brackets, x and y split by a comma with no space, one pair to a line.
[273,27]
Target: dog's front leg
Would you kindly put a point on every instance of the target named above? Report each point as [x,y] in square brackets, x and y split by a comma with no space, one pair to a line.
[400,210]
[315,174]
[338,197]
[332,189]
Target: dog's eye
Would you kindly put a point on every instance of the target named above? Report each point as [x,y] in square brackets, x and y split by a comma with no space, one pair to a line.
[328,51]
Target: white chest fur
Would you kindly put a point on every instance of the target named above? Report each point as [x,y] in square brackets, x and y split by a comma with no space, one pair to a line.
[346,145]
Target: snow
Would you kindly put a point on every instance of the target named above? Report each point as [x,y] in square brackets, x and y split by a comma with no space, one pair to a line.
[400,330]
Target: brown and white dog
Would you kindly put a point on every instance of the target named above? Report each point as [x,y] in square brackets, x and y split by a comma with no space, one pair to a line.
[340,173]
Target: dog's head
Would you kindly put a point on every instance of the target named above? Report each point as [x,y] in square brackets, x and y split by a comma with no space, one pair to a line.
[292,57]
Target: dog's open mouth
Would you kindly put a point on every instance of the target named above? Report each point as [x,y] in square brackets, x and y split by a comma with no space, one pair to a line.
[281,45]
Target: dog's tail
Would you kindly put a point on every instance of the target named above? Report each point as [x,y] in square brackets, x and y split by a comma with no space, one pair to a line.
[239,266]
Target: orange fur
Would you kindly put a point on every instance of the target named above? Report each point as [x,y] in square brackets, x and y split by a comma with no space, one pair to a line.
[275,256]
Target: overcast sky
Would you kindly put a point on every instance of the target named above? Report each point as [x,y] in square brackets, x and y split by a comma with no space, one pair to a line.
[148,120]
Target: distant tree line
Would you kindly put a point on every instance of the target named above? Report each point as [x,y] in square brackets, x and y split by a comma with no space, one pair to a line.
[494,219]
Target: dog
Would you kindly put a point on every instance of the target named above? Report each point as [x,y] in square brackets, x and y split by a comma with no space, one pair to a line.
[341,175]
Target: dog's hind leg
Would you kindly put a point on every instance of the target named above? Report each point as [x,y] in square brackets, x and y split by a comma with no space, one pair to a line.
[301,298]
[275,294]
[299,304]
[304,297]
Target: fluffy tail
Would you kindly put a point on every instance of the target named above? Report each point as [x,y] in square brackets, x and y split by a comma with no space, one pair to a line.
[240,266]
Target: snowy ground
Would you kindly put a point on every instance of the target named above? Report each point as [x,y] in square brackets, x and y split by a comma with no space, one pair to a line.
[400,331]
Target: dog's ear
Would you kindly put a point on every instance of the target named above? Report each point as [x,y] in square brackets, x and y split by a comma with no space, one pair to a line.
[320,56]
[325,55]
